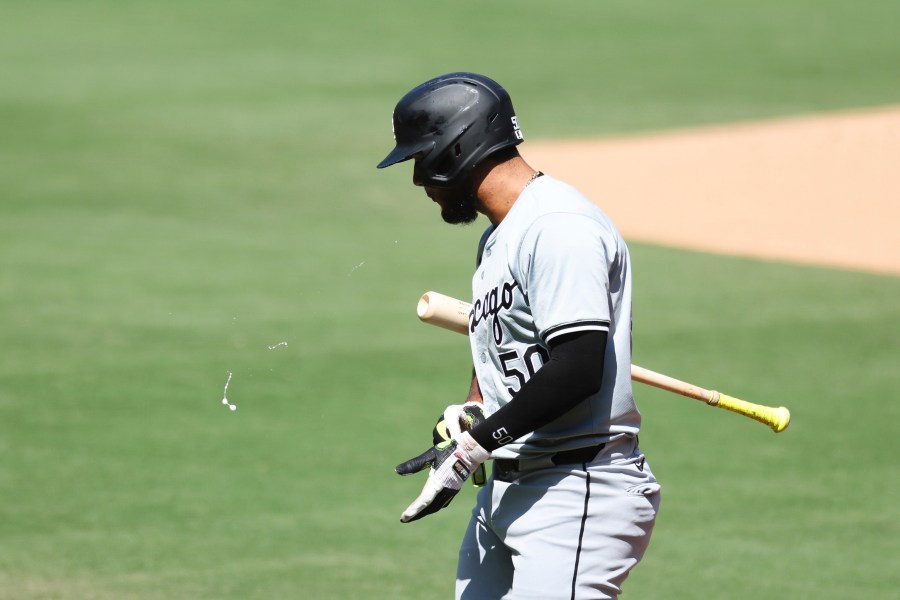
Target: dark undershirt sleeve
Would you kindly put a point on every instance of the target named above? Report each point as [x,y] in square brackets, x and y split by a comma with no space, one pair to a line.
[573,373]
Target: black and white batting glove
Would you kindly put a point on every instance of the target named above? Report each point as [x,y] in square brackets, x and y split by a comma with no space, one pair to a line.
[455,419]
[458,418]
[451,464]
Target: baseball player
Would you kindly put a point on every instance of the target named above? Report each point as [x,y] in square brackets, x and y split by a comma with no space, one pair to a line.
[571,502]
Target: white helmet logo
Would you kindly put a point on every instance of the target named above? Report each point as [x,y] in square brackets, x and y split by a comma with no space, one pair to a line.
[516,130]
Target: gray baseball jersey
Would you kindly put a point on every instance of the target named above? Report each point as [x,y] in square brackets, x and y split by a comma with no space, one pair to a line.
[554,265]
[546,528]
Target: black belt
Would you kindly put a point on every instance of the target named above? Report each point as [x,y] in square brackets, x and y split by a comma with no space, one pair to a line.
[566,457]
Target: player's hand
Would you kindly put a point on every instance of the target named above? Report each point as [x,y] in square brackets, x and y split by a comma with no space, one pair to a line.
[455,419]
[451,464]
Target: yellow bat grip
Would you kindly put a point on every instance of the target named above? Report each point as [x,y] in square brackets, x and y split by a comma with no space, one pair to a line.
[776,418]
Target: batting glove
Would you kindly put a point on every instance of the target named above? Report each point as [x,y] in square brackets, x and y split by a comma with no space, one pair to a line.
[458,418]
[455,419]
[451,464]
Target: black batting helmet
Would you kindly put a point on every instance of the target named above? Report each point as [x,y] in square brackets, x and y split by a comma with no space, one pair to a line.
[450,124]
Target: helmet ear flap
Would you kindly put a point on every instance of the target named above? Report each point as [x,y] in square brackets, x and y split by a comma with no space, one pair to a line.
[447,161]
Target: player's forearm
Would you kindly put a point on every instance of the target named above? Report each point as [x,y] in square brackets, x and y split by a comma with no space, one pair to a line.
[574,372]
[475,391]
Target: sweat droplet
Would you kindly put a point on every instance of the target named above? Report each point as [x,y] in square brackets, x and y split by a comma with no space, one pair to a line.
[225,401]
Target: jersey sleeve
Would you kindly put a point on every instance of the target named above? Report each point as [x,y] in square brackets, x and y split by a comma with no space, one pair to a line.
[563,266]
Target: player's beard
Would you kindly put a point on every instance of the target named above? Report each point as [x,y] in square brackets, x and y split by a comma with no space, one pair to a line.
[460,210]
[457,204]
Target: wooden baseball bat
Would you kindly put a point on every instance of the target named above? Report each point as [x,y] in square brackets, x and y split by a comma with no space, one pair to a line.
[450,313]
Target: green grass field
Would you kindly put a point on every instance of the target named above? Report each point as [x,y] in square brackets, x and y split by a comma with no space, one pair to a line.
[185,185]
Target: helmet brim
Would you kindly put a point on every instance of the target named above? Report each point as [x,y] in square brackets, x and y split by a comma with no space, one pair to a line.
[404,152]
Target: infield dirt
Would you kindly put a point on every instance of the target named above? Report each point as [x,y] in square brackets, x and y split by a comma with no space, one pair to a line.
[821,190]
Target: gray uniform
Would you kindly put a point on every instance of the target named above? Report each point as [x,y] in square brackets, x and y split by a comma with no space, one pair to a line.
[569,508]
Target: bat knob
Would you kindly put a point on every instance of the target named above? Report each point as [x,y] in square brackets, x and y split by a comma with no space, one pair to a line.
[781,419]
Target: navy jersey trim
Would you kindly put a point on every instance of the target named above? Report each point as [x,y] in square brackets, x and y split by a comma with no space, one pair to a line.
[482,243]
[576,326]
